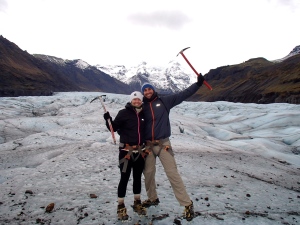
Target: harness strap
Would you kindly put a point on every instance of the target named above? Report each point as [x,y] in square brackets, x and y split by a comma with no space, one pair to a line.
[151,144]
[129,155]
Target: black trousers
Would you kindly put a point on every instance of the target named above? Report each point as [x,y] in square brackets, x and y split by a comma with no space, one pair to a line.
[137,168]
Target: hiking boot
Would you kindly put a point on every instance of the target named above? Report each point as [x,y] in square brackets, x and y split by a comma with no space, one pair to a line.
[147,203]
[189,212]
[138,208]
[122,212]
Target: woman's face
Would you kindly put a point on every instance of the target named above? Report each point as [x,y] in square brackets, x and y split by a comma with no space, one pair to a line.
[136,102]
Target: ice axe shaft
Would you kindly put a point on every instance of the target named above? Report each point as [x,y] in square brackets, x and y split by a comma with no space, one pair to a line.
[109,121]
[188,62]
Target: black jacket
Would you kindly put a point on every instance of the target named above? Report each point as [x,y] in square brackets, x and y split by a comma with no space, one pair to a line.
[130,125]
[157,110]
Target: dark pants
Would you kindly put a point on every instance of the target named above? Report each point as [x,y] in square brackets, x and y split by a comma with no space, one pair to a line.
[137,167]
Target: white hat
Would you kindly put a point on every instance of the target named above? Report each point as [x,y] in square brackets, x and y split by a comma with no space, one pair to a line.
[136,94]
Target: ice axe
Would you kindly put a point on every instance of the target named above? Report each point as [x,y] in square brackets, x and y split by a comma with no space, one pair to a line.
[102,99]
[204,82]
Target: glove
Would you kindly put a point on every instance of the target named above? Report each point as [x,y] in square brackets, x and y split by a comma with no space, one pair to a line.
[200,80]
[145,153]
[107,116]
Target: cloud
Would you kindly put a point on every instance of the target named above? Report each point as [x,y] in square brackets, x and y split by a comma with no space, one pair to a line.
[170,19]
[287,2]
[293,5]
[3,5]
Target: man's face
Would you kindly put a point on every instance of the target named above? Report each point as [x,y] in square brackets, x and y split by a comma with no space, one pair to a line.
[148,92]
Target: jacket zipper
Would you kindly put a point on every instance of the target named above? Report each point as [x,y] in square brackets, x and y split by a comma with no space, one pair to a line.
[139,132]
[153,118]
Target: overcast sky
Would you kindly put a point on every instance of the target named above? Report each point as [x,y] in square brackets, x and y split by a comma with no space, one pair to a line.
[128,32]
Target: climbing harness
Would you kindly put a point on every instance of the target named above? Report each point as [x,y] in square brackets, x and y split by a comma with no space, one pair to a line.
[150,144]
[130,149]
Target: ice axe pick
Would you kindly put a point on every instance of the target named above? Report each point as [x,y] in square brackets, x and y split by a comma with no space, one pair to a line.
[181,53]
[102,99]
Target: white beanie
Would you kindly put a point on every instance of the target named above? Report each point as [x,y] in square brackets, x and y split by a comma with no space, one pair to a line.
[136,94]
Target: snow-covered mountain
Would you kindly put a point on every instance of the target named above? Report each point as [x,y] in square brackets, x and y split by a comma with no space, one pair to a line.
[295,51]
[172,78]
[79,63]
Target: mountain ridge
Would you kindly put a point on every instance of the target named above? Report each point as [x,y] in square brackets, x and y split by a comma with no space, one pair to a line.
[169,79]
[256,80]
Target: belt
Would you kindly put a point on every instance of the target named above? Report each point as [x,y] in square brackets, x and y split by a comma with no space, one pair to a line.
[130,147]
[133,151]
[151,144]
[154,143]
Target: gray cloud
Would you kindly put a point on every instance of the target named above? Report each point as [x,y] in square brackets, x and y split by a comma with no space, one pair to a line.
[169,19]
[287,2]
[292,4]
[3,5]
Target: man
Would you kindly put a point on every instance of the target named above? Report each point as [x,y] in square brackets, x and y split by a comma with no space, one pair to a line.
[157,133]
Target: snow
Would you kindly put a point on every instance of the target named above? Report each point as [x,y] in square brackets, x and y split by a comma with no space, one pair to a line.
[82,64]
[240,162]
[295,51]
[163,78]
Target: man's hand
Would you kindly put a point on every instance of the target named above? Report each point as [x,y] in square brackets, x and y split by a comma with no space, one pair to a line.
[200,80]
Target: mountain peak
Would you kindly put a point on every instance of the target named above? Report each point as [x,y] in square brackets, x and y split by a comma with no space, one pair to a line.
[143,63]
[295,51]
[169,79]
[81,64]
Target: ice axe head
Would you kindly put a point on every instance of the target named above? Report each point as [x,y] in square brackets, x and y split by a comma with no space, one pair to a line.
[183,50]
[103,97]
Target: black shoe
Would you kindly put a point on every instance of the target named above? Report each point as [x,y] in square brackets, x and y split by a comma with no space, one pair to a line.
[122,212]
[189,212]
[147,203]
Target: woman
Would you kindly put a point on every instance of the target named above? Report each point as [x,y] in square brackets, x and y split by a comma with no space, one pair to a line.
[129,123]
